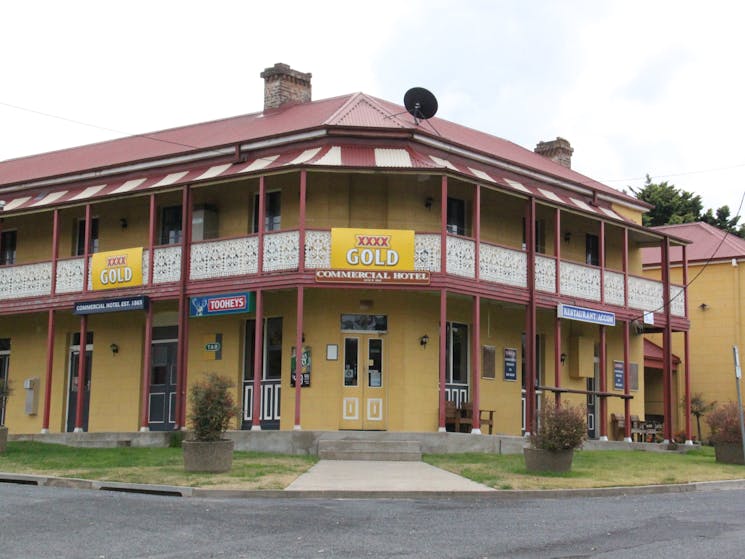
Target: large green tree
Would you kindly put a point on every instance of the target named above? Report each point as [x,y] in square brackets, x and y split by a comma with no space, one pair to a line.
[722,220]
[671,205]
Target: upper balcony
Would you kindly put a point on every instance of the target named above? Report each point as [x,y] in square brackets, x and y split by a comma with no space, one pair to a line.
[238,258]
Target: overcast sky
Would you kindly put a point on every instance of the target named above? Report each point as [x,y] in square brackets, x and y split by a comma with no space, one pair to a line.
[637,87]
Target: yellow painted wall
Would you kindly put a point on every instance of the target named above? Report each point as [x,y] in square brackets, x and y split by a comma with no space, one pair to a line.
[713,332]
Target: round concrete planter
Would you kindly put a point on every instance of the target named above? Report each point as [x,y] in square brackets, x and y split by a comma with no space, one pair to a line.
[3,438]
[729,453]
[556,461]
[208,456]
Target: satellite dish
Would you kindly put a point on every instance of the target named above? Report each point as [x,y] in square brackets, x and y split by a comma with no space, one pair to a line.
[420,103]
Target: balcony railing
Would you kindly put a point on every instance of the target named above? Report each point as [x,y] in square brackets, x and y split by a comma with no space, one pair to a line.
[237,257]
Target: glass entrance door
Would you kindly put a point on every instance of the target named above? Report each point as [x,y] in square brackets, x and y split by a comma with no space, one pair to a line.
[271,374]
[162,406]
[363,382]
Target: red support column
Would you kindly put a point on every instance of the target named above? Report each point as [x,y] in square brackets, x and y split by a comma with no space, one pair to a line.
[82,358]
[442,363]
[183,310]
[261,225]
[51,327]
[477,232]
[258,360]
[603,373]
[444,225]
[298,356]
[557,251]
[667,366]
[50,363]
[557,360]
[602,262]
[530,319]
[146,370]
[475,365]
[687,353]
[151,242]
[83,326]
[626,387]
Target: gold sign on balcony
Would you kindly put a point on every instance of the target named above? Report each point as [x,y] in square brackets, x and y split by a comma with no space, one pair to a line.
[116,269]
[372,249]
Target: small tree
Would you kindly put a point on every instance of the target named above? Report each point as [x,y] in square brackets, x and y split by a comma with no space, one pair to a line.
[724,423]
[212,407]
[559,427]
[699,408]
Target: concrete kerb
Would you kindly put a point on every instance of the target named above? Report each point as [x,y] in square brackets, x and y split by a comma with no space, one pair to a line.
[501,495]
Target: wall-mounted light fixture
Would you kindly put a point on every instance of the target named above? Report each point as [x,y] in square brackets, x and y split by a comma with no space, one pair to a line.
[424,340]
[428,202]
[563,358]
[567,236]
[114,349]
[703,306]
[123,222]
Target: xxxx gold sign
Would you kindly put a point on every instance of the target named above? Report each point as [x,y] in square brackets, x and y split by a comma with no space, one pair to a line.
[372,249]
[372,256]
[116,269]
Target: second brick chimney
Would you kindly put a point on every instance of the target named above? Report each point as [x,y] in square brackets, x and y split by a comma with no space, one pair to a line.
[559,150]
[284,85]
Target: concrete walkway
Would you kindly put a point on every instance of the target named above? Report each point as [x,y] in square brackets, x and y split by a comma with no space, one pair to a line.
[370,475]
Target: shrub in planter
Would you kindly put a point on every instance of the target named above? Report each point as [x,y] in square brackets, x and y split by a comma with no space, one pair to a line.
[212,408]
[557,433]
[724,423]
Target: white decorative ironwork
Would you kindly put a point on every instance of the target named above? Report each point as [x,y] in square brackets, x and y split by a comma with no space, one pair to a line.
[545,273]
[70,276]
[317,249]
[580,281]
[677,300]
[221,259]
[613,288]
[503,265]
[27,280]
[167,264]
[461,255]
[427,252]
[645,294]
[281,251]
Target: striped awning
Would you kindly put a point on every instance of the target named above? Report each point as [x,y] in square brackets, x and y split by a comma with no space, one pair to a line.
[350,156]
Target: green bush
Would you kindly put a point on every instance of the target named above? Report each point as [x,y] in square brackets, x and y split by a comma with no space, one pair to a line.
[559,427]
[212,407]
[724,423]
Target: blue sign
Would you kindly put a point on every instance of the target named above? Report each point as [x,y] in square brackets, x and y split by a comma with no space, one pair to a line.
[227,303]
[618,383]
[510,364]
[586,315]
[120,304]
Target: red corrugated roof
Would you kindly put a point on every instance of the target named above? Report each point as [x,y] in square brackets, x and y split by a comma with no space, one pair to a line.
[653,355]
[356,110]
[707,241]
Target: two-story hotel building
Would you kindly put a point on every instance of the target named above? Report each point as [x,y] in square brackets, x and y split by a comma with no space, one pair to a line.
[414,261]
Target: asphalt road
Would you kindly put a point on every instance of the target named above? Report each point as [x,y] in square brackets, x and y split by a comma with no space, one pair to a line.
[41,522]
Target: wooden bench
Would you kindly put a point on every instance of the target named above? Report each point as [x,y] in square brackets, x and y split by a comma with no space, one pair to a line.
[461,418]
[618,425]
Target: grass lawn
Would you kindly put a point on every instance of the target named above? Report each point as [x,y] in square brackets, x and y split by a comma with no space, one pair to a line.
[251,470]
[597,468]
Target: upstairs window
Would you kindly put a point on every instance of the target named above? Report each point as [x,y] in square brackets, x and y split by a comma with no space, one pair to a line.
[592,250]
[456,216]
[8,247]
[273,211]
[170,225]
[540,236]
[80,237]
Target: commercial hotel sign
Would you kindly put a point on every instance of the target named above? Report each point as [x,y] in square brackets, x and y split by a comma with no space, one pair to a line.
[384,256]
[116,269]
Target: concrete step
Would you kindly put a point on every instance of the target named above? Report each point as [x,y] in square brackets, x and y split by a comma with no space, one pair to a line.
[360,449]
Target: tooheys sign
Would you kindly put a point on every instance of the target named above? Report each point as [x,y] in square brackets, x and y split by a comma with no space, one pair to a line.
[116,269]
[372,256]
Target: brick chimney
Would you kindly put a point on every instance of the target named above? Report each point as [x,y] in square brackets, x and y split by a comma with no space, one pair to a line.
[284,85]
[558,150]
